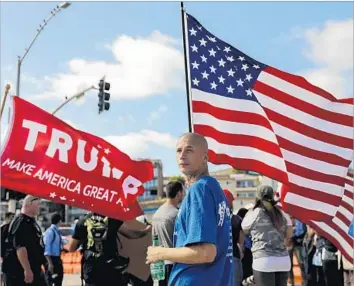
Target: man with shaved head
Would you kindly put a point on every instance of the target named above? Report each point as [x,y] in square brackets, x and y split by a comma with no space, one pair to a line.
[25,255]
[202,252]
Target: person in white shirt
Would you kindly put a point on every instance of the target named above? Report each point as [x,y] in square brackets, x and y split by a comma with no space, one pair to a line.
[270,229]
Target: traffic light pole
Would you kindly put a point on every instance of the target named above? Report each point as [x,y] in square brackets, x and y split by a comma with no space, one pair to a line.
[75,96]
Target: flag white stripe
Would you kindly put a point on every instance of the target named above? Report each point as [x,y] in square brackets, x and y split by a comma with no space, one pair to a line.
[341,224]
[233,104]
[326,228]
[315,185]
[346,213]
[234,127]
[310,204]
[311,143]
[313,164]
[303,117]
[349,188]
[246,153]
[348,200]
[305,95]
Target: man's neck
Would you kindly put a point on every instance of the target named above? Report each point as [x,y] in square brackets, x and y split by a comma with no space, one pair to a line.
[171,202]
[25,212]
[191,179]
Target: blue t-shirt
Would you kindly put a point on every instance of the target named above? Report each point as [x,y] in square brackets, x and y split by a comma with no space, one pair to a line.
[204,217]
[351,228]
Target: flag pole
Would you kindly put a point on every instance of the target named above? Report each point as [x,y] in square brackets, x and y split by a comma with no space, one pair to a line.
[6,92]
[186,69]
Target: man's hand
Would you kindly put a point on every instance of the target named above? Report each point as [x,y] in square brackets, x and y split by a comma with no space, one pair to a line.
[147,229]
[28,276]
[129,232]
[154,254]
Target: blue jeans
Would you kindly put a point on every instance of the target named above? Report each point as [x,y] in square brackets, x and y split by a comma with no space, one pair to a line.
[238,273]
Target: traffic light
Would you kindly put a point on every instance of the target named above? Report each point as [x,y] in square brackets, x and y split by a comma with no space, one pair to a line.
[103,96]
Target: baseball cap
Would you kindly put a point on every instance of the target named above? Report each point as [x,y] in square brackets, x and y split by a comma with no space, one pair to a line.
[229,196]
[265,193]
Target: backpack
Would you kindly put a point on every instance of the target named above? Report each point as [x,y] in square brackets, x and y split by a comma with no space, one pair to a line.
[95,249]
[97,228]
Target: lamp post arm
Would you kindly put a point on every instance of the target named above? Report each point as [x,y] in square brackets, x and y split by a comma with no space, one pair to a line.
[39,30]
[77,95]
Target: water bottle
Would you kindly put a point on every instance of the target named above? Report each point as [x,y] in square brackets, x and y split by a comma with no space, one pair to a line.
[158,268]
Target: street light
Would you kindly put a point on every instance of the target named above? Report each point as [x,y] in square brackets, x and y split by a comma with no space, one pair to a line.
[20,59]
[64,5]
[75,96]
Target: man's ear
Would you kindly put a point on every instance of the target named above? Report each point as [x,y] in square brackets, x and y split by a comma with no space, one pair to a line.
[206,157]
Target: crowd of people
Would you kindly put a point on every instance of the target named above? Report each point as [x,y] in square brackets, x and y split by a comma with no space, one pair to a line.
[203,240]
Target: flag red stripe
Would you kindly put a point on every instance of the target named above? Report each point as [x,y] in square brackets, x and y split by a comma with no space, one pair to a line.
[304,214]
[348,193]
[309,131]
[315,195]
[348,207]
[230,115]
[347,100]
[238,139]
[343,218]
[300,82]
[299,104]
[314,175]
[315,154]
[323,233]
[247,164]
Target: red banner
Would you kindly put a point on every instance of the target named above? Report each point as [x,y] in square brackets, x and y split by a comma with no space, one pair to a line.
[45,157]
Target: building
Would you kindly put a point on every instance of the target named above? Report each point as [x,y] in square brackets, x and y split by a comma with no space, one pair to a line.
[155,188]
[242,184]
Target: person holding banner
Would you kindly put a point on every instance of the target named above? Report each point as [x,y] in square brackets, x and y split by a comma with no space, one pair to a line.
[102,265]
[202,250]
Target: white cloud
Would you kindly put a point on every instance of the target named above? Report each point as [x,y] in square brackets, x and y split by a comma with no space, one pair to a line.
[136,144]
[157,114]
[143,66]
[126,118]
[331,47]
[331,81]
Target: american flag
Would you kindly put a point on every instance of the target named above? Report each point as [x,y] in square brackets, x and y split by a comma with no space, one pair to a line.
[256,117]
[337,230]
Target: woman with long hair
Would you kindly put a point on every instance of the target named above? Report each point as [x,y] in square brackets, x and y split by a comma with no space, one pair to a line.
[270,229]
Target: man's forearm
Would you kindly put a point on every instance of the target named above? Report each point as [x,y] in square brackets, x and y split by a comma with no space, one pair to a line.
[196,254]
[23,258]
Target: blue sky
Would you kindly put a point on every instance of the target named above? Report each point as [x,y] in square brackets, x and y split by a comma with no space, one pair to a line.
[138,45]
